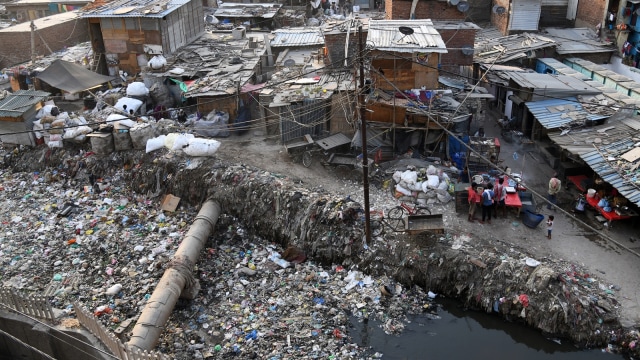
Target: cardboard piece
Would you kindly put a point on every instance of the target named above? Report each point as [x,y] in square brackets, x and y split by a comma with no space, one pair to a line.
[170,203]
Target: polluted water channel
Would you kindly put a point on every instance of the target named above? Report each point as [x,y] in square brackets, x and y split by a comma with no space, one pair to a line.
[450,332]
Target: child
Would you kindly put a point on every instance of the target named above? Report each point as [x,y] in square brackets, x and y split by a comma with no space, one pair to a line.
[549,226]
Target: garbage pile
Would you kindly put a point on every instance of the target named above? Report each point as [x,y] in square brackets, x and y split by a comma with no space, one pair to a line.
[286,266]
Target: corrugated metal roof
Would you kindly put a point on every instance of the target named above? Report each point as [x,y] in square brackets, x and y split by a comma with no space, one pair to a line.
[385,35]
[545,85]
[492,47]
[581,141]
[15,104]
[555,113]
[600,161]
[577,41]
[249,10]
[135,8]
[297,37]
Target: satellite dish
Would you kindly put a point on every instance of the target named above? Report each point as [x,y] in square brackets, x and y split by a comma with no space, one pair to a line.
[405,30]
[467,50]
[454,2]
[497,9]
[463,6]
[210,19]
[289,63]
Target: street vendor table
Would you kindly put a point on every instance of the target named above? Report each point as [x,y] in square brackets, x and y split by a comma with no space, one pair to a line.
[513,200]
[610,215]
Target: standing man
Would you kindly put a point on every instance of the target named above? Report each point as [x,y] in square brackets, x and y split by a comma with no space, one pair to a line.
[472,198]
[554,188]
[487,203]
[500,192]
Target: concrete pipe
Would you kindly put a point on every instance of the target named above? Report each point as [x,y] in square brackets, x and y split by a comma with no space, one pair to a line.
[177,280]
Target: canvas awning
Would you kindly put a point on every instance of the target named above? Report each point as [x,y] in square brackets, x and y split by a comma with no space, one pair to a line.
[70,77]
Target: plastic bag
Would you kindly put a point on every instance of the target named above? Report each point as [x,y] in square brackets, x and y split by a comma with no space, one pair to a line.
[157,62]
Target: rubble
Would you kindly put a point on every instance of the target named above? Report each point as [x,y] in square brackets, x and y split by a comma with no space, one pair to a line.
[286,266]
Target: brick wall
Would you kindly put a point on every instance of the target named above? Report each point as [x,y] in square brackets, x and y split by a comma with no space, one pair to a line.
[17,45]
[590,13]
[456,39]
[501,22]
[335,48]
[426,9]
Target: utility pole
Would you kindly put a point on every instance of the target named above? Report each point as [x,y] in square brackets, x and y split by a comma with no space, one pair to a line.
[33,42]
[363,132]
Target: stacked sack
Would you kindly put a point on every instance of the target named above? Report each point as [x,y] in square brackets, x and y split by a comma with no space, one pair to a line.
[424,187]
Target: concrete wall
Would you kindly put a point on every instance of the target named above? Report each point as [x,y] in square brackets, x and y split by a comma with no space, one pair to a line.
[590,13]
[53,342]
[17,45]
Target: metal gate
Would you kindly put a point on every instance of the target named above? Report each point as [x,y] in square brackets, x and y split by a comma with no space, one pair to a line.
[525,15]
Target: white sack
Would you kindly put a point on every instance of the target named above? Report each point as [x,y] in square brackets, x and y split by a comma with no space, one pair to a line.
[431,170]
[202,147]
[397,176]
[137,89]
[181,141]
[433,181]
[410,177]
[156,143]
[402,190]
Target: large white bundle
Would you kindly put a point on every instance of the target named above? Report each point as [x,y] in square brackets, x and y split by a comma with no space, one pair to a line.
[181,141]
[137,89]
[202,147]
[443,185]
[157,62]
[397,176]
[169,139]
[431,170]
[417,186]
[132,104]
[155,143]
[433,181]
[402,190]
[121,120]
[80,130]
[410,177]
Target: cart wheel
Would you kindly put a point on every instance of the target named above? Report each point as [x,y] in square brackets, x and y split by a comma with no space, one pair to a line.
[306,158]
[342,172]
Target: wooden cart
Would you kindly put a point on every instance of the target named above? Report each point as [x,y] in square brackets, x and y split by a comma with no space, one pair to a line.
[415,224]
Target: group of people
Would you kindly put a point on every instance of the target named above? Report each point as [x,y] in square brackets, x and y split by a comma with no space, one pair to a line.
[494,198]
[491,198]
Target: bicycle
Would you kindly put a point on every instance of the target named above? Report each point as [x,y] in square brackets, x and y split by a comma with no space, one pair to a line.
[395,218]
[417,209]
[379,222]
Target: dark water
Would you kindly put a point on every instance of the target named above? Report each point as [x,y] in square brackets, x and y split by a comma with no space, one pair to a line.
[466,335]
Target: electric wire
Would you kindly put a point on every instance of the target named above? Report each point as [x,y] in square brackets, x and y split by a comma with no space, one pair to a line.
[496,167]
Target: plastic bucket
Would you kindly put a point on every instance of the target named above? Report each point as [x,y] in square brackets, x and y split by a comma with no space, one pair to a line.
[591,193]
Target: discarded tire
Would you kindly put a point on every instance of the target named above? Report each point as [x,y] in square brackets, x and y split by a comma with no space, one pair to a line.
[532,219]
